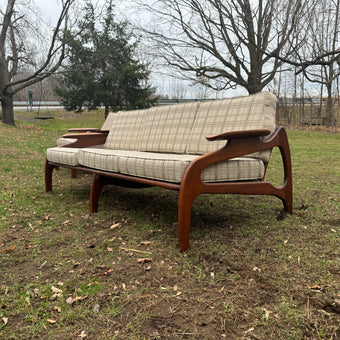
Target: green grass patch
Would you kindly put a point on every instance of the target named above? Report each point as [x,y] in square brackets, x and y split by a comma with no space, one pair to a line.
[65,273]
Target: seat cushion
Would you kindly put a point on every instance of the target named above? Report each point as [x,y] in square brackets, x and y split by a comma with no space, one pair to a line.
[168,167]
[168,128]
[67,156]
[252,112]
[64,155]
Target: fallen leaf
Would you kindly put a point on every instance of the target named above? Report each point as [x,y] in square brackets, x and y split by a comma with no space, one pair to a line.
[51,321]
[114,226]
[5,321]
[82,334]
[144,260]
[56,290]
[70,300]
[146,243]
[55,296]
[56,308]
[333,230]
[9,250]
[109,249]
[267,313]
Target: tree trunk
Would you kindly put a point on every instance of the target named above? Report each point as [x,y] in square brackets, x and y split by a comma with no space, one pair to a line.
[106,111]
[7,109]
[330,118]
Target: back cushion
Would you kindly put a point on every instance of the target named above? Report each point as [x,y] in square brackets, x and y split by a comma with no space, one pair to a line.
[127,130]
[256,111]
[168,128]
[109,121]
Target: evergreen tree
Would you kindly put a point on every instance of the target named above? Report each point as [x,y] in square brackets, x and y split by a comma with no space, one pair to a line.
[102,69]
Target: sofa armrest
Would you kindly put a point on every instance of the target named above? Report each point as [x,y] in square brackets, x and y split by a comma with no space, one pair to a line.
[244,145]
[239,134]
[83,130]
[86,139]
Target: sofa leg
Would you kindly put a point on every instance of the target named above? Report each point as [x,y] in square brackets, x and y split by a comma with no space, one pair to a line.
[184,216]
[96,188]
[73,173]
[48,176]
[288,200]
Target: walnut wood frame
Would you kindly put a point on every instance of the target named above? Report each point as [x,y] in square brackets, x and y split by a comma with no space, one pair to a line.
[237,144]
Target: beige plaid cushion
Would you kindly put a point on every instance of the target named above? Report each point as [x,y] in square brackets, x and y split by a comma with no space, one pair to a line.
[168,167]
[168,128]
[109,121]
[63,155]
[127,131]
[256,111]
[66,155]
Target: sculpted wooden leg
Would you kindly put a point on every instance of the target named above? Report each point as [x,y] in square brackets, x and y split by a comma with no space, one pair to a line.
[96,187]
[73,173]
[48,176]
[185,202]
[288,178]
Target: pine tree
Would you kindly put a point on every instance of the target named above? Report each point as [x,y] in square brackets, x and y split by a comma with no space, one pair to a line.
[102,69]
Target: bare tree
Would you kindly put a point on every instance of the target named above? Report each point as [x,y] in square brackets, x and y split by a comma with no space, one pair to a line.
[223,44]
[323,30]
[15,54]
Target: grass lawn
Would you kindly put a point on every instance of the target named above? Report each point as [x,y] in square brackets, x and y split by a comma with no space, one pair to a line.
[117,274]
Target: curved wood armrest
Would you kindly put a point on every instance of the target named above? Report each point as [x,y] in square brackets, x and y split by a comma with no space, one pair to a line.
[86,139]
[238,148]
[85,134]
[239,134]
[83,130]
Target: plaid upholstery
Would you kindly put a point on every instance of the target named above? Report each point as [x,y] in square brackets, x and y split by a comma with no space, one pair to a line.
[127,130]
[109,121]
[66,155]
[168,167]
[235,114]
[168,128]
[63,155]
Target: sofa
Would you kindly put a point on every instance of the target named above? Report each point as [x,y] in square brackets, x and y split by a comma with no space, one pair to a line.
[217,146]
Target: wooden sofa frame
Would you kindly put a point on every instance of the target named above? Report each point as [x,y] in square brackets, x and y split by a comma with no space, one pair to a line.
[237,144]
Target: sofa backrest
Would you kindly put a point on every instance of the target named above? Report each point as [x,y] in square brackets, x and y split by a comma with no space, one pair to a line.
[182,128]
[251,112]
[109,121]
[168,128]
[127,131]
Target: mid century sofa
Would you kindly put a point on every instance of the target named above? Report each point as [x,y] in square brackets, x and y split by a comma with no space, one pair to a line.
[218,146]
